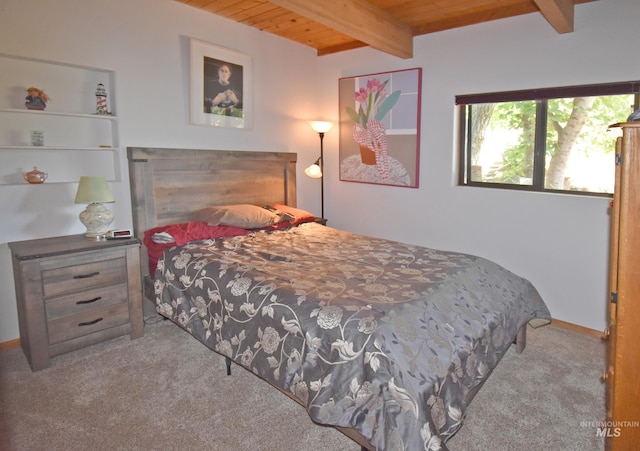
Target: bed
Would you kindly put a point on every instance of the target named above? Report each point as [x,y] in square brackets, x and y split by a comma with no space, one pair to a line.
[386,341]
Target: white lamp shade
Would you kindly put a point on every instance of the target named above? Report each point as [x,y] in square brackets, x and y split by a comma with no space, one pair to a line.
[313,171]
[93,189]
[320,126]
[96,217]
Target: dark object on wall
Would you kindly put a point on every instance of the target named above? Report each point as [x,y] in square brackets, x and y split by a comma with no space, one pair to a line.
[635,116]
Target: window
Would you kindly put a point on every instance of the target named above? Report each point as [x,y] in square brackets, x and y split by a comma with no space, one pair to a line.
[552,139]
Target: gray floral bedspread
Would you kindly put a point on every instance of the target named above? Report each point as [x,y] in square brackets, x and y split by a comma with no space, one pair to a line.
[390,339]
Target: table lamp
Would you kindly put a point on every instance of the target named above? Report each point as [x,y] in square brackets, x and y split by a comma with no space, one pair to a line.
[96,217]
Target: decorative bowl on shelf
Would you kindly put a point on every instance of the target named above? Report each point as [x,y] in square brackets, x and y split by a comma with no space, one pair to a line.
[35,177]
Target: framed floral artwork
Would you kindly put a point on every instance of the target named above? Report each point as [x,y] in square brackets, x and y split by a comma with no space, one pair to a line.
[221,86]
[380,128]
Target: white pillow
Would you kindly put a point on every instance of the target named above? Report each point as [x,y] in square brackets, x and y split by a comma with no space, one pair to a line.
[245,216]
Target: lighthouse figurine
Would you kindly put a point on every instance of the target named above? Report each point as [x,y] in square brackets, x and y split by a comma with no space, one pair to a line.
[101,100]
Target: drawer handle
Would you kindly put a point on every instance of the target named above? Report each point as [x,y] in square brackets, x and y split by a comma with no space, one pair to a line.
[89,301]
[90,323]
[86,276]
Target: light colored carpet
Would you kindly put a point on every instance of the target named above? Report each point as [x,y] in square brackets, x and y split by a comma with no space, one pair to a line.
[166,391]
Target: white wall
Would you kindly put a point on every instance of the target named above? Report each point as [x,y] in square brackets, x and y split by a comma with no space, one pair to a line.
[146,43]
[558,242]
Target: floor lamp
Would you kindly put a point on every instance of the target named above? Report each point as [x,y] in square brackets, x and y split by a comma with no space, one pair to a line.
[316,170]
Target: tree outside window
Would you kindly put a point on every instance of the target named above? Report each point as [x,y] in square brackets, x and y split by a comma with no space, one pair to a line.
[542,140]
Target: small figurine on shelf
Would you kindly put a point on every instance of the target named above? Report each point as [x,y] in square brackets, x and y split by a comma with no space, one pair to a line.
[36,99]
[101,100]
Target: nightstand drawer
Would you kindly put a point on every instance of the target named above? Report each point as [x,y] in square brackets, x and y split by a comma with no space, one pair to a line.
[73,278]
[72,292]
[89,322]
[84,301]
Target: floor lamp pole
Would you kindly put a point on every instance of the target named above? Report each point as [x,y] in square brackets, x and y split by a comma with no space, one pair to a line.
[322,177]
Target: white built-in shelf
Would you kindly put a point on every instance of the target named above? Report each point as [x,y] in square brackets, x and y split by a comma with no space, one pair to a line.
[55,113]
[55,148]
[77,140]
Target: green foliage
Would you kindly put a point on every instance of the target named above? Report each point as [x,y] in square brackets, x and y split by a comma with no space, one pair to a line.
[511,116]
[605,111]
[515,164]
[387,104]
[358,118]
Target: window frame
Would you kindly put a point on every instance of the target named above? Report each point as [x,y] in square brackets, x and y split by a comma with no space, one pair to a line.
[541,97]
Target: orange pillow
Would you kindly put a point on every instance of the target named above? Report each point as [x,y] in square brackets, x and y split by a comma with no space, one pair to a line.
[299,214]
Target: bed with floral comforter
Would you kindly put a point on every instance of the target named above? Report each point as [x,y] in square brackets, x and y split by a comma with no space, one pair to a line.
[389,339]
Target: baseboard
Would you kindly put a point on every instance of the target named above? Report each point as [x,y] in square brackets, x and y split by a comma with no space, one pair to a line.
[556,322]
[576,328]
[9,344]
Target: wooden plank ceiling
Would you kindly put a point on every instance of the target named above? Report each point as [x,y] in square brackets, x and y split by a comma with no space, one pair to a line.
[332,26]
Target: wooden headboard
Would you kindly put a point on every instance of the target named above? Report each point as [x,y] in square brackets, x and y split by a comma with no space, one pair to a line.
[168,185]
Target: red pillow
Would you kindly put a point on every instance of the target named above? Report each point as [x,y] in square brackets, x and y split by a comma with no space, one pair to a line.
[194,231]
[299,214]
[184,233]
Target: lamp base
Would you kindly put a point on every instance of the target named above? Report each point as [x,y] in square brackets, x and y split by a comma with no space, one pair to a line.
[91,237]
[96,218]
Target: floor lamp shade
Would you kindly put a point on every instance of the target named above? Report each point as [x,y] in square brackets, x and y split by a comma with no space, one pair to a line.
[314,170]
[95,191]
[321,126]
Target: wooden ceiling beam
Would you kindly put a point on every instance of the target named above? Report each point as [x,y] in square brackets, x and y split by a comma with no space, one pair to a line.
[341,48]
[559,13]
[358,19]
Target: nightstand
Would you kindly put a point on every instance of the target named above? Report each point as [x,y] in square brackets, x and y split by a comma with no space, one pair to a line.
[73,292]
